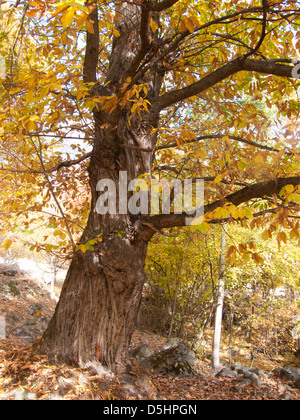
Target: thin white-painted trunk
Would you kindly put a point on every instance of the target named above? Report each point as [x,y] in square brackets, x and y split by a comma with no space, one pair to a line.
[215,358]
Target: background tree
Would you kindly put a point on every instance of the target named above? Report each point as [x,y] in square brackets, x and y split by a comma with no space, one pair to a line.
[215,357]
[132,86]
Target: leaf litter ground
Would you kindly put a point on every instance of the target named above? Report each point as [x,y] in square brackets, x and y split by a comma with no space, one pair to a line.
[24,372]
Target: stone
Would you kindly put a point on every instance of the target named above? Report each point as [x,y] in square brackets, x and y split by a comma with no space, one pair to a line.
[286,396]
[172,342]
[10,272]
[35,309]
[24,334]
[255,381]
[12,318]
[64,385]
[226,373]
[258,372]
[239,368]
[176,361]
[289,374]
[142,352]
[18,394]
[242,381]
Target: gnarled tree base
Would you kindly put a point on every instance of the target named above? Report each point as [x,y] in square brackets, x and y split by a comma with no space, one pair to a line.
[96,314]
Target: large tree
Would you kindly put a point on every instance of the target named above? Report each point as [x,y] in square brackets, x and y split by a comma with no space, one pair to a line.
[186,89]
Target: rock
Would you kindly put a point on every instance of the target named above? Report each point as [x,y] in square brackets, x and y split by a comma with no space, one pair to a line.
[255,381]
[258,372]
[276,371]
[236,366]
[10,272]
[30,322]
[225,373]
[54,397]
[176,361]
[289,374]
[142,352]
[239,368]
[35,309]
[12,318]
[286,396]
[242,381]
[172,342]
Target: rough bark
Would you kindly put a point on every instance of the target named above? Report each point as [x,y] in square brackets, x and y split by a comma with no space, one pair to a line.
[100,299]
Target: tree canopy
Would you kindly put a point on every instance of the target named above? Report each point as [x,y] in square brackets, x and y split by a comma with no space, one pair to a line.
[229,108]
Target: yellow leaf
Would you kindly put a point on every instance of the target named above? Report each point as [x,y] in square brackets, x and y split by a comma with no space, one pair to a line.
[32,12]
[82,18]
[203,227]
[7,244]
[281,237]
[60,9]
[257,258]
[219,178]
[266,235]
[190,25]
[90,27]
[153,25]
[67,17]
[116,33]
[221,213]
[30,125]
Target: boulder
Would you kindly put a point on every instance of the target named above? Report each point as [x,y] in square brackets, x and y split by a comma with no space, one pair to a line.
[289,374]
[241,380]
[176,361]
[297,384]
[286,396]
[239,368]
[172,342]
[258,372]
[255,381]
[226,373]
[142,352]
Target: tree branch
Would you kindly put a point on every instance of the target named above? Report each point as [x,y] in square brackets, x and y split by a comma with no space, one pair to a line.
[161,6]
[264,28]
[219,136]
[65,164]
[259,190]
[92,48]
[212,79]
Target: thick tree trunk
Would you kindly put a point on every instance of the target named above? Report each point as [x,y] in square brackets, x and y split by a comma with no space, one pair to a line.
[98,307]
[100,299]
